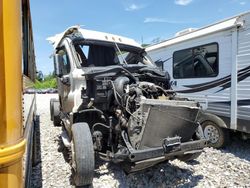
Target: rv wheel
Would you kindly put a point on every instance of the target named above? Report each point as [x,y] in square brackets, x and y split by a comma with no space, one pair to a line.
[83,161]
[217,136]
[55,112]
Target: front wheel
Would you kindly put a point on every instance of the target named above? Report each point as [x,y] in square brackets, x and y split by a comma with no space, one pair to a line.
[83,160]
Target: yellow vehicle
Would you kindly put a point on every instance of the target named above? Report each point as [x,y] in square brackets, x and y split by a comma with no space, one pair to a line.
[17,110]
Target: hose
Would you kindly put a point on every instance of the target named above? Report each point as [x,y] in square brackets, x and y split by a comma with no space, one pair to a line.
[91,110]
[101,124]
[115,93]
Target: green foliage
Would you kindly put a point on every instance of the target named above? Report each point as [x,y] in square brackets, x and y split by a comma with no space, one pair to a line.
[48,82]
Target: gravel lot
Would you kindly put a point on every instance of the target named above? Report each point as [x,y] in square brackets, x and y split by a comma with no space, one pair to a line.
[229,167]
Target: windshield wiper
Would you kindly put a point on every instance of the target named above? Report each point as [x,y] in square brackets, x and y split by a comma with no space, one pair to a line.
[120,53]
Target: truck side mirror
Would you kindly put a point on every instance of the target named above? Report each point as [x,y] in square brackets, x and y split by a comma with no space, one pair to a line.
[58,61]
[160,64]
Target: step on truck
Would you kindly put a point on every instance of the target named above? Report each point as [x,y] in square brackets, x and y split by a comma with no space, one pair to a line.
[115,102]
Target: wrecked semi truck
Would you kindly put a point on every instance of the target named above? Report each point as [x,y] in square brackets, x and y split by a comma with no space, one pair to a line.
[115,102]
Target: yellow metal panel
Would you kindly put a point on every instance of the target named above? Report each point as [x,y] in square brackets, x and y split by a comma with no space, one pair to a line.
[13,68]
[11,93]
[2,81]
[12,153]
[9,177]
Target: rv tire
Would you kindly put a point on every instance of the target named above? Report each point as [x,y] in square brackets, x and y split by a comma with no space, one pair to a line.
[217,136]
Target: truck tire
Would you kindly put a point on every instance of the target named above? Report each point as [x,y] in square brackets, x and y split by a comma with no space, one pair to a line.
[55,112]
[218,137]
[83,160]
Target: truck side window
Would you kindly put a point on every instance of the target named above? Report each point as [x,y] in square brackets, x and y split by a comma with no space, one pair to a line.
[66,62]
[196,62]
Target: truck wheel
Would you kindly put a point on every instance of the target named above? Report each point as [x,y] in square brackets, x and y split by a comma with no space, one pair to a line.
[189,157]
[217,136]
[83,160]
[55,112]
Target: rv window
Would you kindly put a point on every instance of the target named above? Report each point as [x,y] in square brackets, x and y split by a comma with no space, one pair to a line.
[196,62]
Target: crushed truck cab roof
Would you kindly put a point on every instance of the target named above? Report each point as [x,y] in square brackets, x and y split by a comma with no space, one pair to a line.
[91,35]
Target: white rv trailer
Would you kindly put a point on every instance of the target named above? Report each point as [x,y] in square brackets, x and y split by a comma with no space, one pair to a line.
[212,64]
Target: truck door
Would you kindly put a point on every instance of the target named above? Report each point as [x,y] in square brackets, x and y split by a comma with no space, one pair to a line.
[64,80]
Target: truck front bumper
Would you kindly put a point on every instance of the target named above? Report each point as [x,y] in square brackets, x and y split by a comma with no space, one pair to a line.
[135,160]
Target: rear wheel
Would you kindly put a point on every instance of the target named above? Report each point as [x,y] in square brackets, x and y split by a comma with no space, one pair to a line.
[55,112]
[83,160]
[217,136]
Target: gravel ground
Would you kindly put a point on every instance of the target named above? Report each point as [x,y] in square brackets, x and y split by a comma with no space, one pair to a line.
[229,167]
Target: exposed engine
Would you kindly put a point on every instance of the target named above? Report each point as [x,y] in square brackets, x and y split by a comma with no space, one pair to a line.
[119,100]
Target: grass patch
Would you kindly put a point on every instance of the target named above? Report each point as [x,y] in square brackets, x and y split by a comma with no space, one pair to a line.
[49,82]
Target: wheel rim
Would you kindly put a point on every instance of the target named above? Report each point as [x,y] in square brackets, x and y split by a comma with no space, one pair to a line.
[211,133]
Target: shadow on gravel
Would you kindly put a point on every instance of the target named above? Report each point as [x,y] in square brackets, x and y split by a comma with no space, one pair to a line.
[66,155]
[62,149]
[193,162]
[238,147]
[161,175]
[37,177]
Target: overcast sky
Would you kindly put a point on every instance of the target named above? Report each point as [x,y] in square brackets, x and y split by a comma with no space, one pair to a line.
[142,20]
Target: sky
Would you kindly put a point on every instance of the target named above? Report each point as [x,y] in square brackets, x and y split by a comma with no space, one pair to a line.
[143,20]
